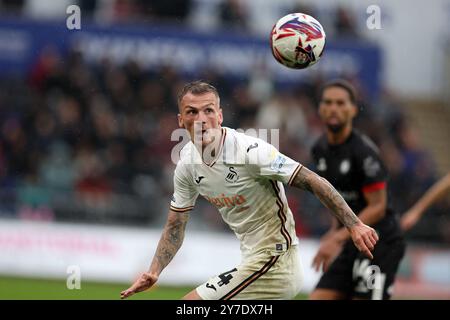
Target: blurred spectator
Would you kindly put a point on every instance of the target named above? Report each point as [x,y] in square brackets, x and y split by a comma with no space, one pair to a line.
[345,25]
[88,8]
[13,7]
[233,15]
[176,10]
[92,142]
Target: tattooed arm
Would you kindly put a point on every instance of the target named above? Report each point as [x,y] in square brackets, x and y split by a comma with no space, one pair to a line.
[363,236]
[169,243]
[171,240]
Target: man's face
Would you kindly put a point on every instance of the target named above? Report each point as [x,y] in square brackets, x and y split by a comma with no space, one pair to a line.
[200,115]
[336,109]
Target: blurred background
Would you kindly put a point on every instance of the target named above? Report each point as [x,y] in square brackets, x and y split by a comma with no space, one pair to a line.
[86,118]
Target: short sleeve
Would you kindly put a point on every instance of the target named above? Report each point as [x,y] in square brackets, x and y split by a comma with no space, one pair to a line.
[185,194]
[373,171]
[267,162]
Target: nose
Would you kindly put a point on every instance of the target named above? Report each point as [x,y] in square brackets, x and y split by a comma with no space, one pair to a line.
[332,108]
[201,117]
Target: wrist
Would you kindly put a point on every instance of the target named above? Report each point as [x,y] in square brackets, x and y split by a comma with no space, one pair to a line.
[154,271]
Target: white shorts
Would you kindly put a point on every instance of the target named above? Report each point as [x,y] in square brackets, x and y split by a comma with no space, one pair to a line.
[257,278]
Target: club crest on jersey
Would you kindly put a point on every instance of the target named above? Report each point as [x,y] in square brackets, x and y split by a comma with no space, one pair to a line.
[322,165]
[231,175]
[345,166]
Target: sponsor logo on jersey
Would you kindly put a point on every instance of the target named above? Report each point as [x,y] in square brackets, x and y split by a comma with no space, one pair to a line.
[227,201]
[199,179]
[253,146]
[371,166]
[211,286]
[278,163]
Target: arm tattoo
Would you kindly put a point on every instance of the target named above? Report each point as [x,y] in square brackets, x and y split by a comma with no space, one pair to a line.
[327,194]
[171,240]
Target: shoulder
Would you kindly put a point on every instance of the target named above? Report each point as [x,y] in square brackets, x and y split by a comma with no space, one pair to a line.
[245,141]
[186,154]
[363,143]
[184,164]
[320,145]
[243,148]
[240,137]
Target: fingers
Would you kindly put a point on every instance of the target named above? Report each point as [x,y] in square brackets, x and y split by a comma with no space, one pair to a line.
[145,281]
[317,262]
[375,235]
[126,293]
[406,223]
[369,242]
[326,264]
[367,253]
[363,244]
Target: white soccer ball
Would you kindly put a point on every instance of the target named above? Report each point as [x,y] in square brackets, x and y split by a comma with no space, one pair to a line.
[297,41]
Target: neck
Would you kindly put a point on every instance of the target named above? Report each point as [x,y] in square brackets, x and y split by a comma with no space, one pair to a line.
[340,136]
[209,152]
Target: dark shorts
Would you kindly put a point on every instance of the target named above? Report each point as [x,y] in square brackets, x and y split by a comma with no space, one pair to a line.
[357,276]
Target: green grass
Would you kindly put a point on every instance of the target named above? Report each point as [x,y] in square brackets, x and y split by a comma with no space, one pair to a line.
[45,289]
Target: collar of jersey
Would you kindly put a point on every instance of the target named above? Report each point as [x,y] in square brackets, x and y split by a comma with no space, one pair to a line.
[222,141]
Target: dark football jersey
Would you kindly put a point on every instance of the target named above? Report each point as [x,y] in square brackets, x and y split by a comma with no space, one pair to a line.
[355,167]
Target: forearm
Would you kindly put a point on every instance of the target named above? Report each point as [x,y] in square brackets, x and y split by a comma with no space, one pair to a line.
[435,193]
[327,194]
[370,215]
[170,241]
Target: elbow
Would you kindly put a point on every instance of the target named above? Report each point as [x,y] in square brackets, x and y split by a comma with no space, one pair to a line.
[380,212]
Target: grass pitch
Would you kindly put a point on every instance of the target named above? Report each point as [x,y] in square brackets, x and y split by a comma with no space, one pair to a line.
[45,289]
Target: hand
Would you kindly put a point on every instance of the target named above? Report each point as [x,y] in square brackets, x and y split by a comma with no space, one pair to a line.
[145,281]
[364,238]
[329,248]
[409,219]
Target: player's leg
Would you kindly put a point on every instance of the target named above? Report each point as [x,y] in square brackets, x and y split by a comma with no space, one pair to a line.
[260,277]
[193,295]
[375,278]
[282,281]
[327,294]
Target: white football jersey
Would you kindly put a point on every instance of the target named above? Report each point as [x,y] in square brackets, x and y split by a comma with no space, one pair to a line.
[245,183]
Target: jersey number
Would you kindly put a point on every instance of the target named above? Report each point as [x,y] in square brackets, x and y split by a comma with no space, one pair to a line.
[226,277]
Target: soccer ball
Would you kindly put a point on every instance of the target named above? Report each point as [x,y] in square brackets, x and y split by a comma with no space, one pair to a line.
[297,41]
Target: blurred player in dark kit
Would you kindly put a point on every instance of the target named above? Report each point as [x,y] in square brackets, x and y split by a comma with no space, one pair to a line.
[350,161]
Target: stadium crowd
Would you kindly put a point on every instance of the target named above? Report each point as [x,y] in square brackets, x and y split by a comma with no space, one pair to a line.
[91,143]
[81,142]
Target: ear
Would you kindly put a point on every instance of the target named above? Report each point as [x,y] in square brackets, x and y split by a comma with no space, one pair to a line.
[220,116]
[354,110]
[180,121]
[320,111]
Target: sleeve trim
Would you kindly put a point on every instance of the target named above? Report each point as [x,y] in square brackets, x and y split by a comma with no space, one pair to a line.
[374,187]
[296,171]
[181,209]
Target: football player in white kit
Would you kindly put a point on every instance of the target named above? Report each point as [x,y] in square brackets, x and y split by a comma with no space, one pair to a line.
[243,177]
